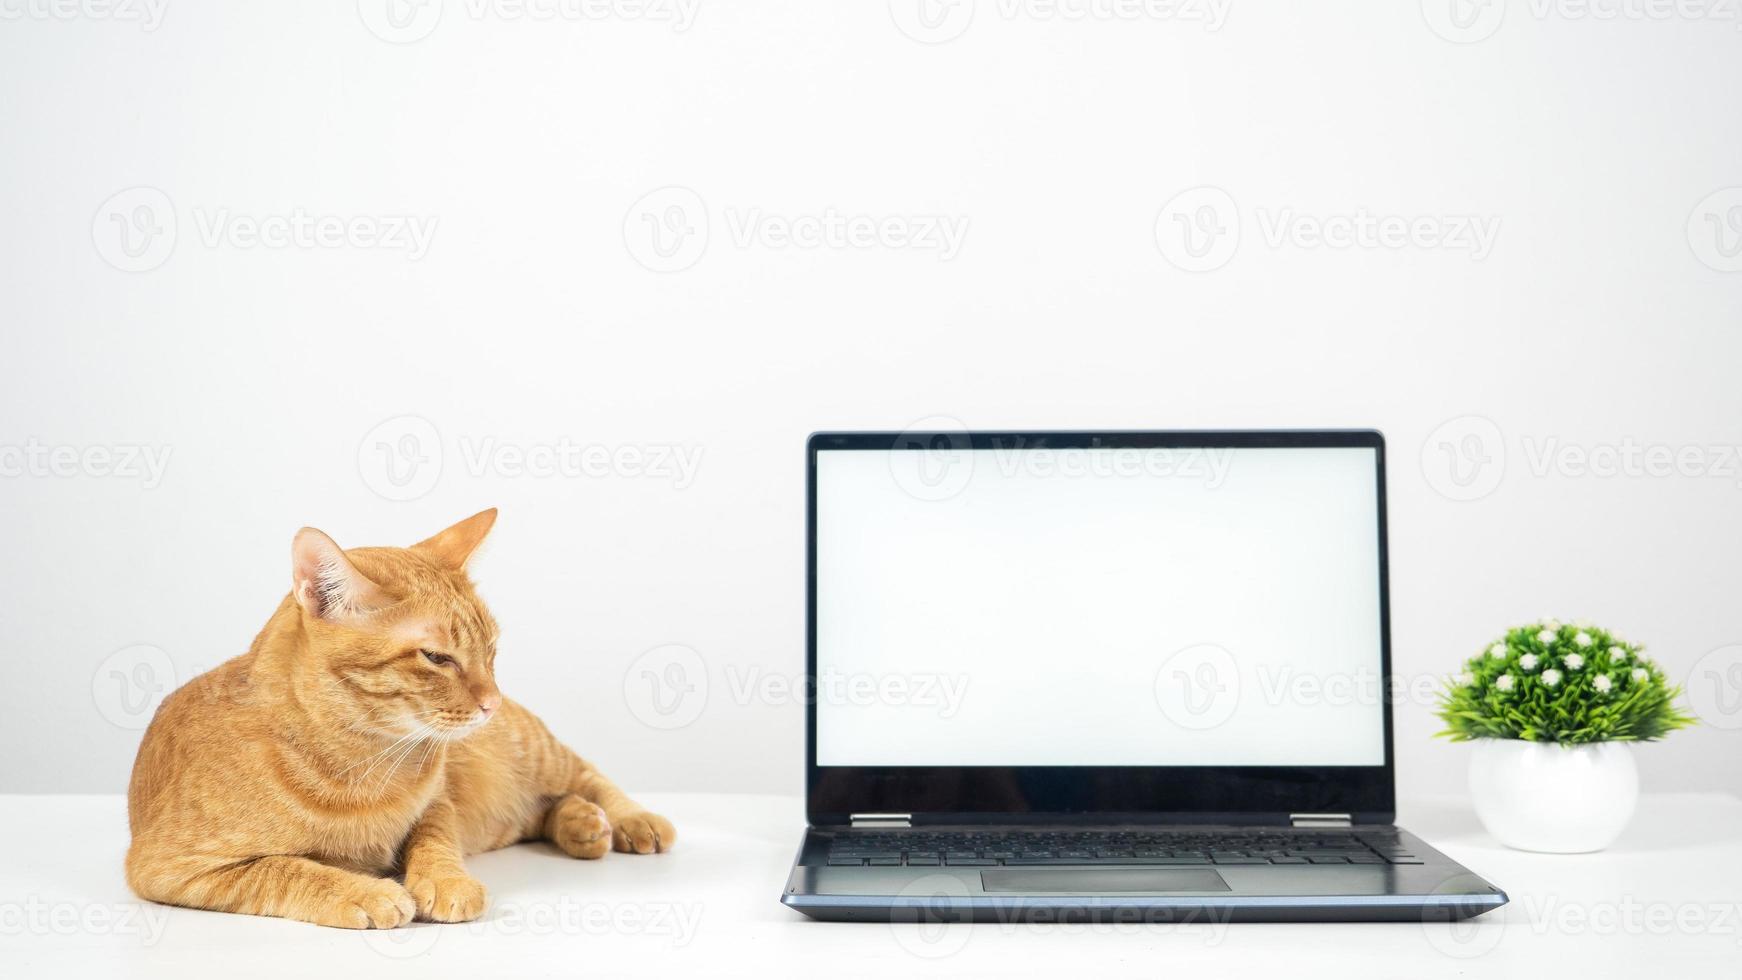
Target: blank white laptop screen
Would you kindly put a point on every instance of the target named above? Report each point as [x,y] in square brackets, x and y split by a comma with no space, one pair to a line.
[1098,607]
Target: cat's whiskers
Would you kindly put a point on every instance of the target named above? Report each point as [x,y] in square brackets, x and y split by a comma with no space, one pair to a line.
[428,750]
[387,780]
[390,715]
[378,757]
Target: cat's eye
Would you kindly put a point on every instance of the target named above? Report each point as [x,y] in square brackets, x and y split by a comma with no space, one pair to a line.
[439,659]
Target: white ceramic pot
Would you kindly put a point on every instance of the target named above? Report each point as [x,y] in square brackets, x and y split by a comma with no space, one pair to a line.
[1540,796]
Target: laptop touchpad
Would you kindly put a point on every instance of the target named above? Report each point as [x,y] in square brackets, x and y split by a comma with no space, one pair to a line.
[1101,881]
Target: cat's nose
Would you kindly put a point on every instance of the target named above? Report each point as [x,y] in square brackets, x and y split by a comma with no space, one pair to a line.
[489,702]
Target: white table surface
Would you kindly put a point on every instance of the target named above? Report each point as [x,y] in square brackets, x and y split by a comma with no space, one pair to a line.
[1666,901]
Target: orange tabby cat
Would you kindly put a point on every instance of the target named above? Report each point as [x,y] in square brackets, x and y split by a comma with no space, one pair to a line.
[361,735]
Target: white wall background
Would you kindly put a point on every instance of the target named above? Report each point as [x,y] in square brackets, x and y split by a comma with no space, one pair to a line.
[1605,313]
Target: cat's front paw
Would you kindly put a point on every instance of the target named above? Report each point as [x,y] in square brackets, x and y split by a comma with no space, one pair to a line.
[579,827]
[454,898]
[376,903]
[642,832]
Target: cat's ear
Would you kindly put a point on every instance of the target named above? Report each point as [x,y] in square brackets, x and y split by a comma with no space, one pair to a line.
[455,545]
[324,581]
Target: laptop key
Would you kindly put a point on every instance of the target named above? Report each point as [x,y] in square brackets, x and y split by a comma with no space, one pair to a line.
[1288,860]
[837,861]
[922,860]
[969,862]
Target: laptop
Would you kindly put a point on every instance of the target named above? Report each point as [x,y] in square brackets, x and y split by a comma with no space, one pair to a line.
[1090,676]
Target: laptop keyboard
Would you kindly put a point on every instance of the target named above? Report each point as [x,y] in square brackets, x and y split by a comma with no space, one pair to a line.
[919,848]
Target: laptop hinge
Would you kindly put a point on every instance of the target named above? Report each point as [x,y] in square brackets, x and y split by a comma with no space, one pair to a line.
[864,821]
[1320,820]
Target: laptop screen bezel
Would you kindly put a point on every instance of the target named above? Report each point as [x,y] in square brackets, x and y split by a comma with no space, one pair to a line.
[1087,794]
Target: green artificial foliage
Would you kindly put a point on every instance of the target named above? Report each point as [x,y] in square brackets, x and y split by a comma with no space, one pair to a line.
[1569,684]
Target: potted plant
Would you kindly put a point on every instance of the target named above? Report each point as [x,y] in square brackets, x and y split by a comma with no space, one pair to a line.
[1552,709]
